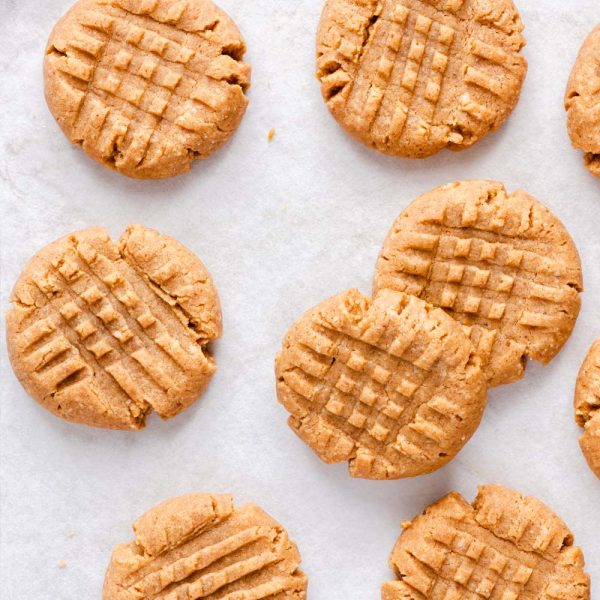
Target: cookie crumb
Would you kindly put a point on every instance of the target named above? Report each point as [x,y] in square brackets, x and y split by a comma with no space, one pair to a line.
[271,135]
[71,534]
[61,564]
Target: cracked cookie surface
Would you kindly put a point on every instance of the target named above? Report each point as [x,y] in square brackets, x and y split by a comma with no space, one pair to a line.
[587,407]
[582,102]
[501,264]
[147,86]
[389,385]
[201,546]
[410,77]
[102,333]
[504,546]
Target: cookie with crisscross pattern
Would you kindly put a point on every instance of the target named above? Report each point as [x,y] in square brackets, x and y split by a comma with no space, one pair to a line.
[587,406]
[410,77]
[147,86]
[502,264]
[102,333]
[201,546]
[582,102]
[390,385]
[503,547]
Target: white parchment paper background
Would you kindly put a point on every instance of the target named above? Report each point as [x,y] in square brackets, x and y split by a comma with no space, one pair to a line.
[281,226]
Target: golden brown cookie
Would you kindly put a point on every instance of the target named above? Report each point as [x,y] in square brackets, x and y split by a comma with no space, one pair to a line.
[582,102]
[147,86]
[587,407]
[410,77]
[505,546]
[501,264]
[389,385]
[202,546]
[102,333]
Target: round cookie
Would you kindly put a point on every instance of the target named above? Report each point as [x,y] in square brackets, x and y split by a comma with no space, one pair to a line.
[503,546]
[410,77]
[147,86]
[583,103]
[501,264]
[587,407]
[389,385]
[202,546]
[102,333]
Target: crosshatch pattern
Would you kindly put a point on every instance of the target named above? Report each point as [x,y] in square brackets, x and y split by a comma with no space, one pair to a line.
[503,547]
[146,86]
[409,77]
[100,334]
[587,406]
[503,265]
[201,546]
[388,386]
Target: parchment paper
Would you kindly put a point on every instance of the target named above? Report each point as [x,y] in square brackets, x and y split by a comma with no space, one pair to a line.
[281,226]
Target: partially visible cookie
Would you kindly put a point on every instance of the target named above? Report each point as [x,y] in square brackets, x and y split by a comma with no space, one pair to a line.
[102,333]
[582,102]
[501,264]
[587,407]
[409,78]
[147,86]
[202,546]
[505,546]
[389,385]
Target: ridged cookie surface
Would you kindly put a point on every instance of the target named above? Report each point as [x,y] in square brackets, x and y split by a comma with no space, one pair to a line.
[503,547]
[501,264]
[147,86]
[201,546]
[582,101]
[388,385]
[410,77]
[587,407]
[101,333]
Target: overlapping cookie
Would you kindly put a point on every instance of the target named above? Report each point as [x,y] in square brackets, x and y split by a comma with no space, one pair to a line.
[202,546]
[503,546]
[391,385]
[102,333]
[147,86]
[501,264]
[410,77]
[587,407]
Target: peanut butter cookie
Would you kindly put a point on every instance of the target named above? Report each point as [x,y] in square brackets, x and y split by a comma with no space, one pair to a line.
[582,102]
[504,546]
[501,264]
[202,546]
[410,77]
[587,407]
[147,86]
[389,385]
[101,333]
